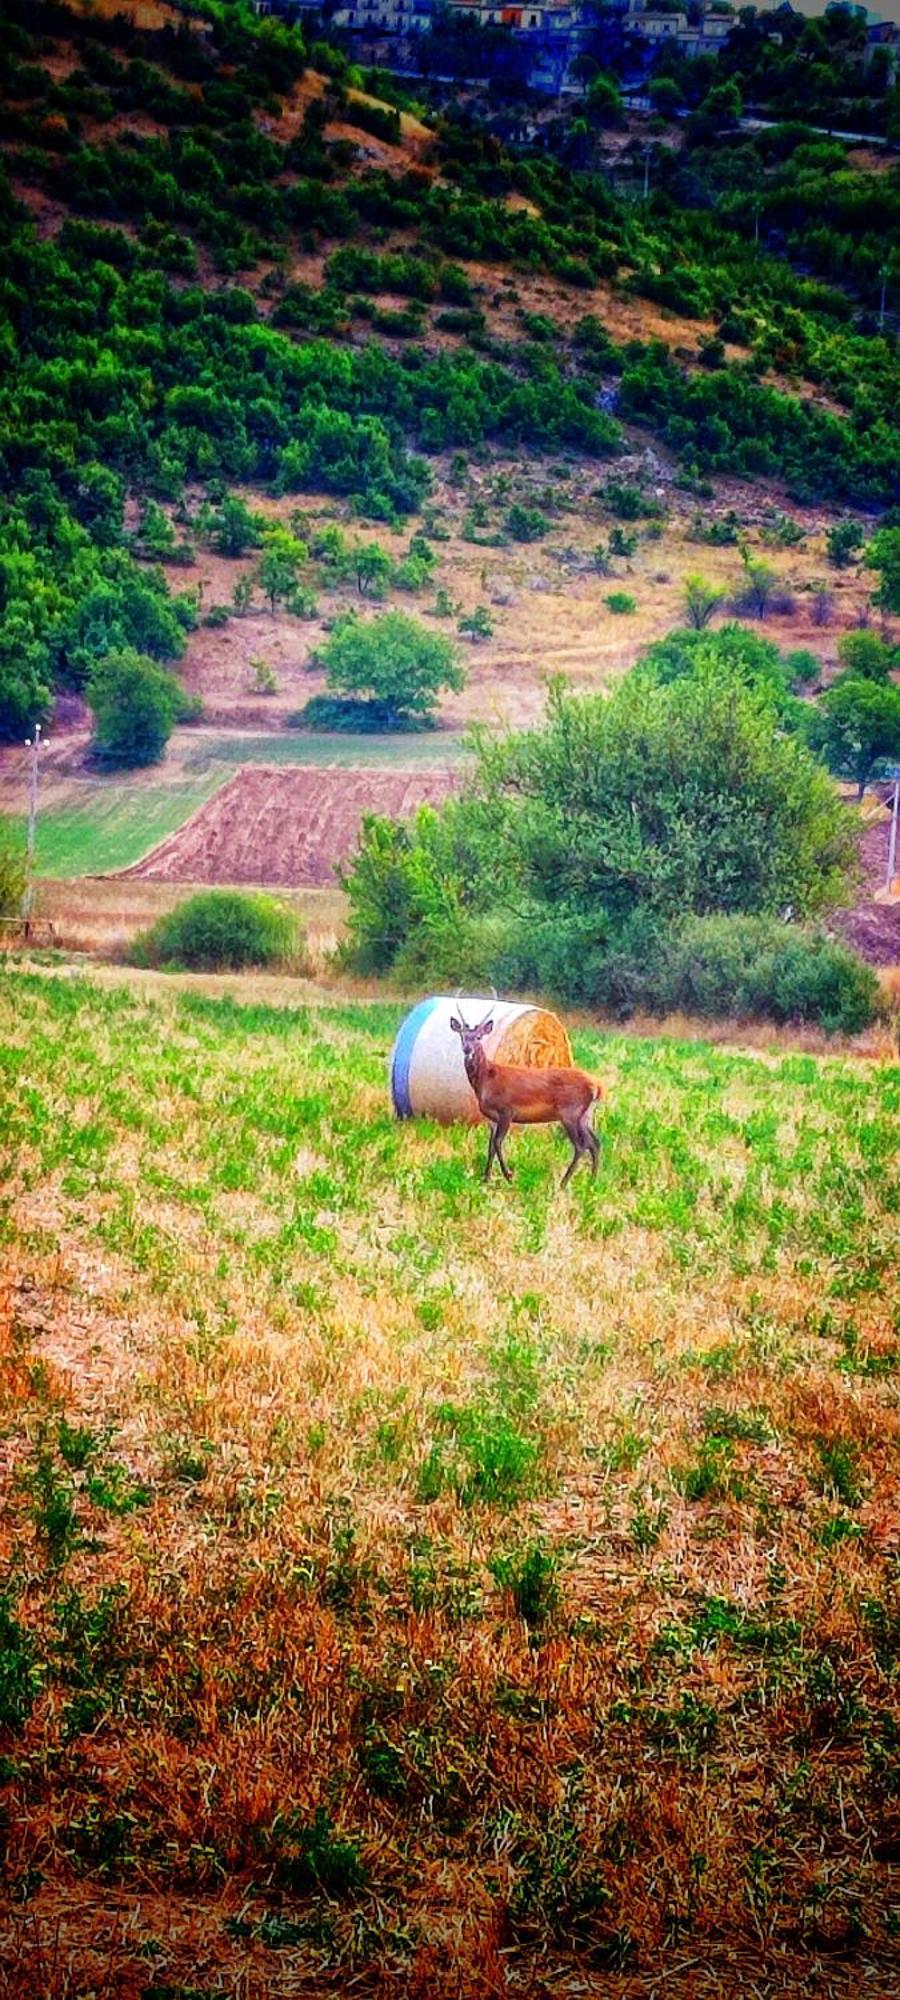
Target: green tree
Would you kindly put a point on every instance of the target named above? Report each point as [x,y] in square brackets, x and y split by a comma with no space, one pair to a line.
[135,705]
[883,553]
[842,542]
[373,568]
[679,796]
[701,600]
[666,95]
[279,567]
[393,663]
[866,656]
[604,100]
[854,726]
[234,529]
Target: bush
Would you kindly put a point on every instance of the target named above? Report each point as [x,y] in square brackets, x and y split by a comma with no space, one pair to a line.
[701,600]
[222,930]
[628,503]
[759,967]
[12,875]
[620,603]
[526,524]
[135,705]
[842,542]
[867,657]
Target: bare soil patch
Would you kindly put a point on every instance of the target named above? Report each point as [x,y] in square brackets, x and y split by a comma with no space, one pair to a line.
[286,827]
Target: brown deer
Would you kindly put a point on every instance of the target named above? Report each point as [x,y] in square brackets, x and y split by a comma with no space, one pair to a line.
[509,1095]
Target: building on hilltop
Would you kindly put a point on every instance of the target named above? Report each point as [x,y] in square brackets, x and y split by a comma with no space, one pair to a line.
[883,46]
[701,32]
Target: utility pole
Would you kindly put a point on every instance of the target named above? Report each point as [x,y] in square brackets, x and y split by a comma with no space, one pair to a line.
[892,842]
[883,274]
[32,743]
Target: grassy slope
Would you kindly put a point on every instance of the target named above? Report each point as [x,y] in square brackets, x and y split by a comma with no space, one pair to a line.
[281,1380]
[109,826]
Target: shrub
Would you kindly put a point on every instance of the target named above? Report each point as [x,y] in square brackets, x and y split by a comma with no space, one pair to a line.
[526,524]
[234,529]
[135,705]
[263,678]
[700,600]
[530,1577]
[12,875]
[867,657]
[842,542]
[222,930]
[620,603]
[758,966]
[477,624]
[759,588]
[629,503]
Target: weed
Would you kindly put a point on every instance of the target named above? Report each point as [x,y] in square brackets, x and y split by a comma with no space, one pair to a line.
[530,1576]
[114,1491]
[77,1444]
[483,1457]
[838,1474]
[20,1677]
[53,1500]
[648,1523]
[712,1474]
[688,1728]
[311,1854]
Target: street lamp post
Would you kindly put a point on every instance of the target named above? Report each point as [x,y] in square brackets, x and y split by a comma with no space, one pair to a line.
[892,840]
[32,743]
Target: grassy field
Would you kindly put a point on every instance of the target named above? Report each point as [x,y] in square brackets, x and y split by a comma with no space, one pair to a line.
[427,746]
[101,824]
[107,826]
[420,1589]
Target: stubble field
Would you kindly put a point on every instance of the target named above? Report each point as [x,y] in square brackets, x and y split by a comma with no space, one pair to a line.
[412,1588]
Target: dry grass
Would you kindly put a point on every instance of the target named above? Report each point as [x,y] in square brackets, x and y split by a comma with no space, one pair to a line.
[544,1548]
[102,917]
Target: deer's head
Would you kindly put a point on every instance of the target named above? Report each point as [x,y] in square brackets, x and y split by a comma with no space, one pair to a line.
[472,1038]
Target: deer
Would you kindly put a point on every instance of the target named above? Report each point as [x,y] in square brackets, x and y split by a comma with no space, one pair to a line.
[509,1095]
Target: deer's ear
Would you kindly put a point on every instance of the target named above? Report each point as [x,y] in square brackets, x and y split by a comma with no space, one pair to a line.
[457,1030]
[487,1028]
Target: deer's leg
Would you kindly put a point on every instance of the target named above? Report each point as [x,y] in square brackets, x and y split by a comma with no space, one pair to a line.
[591,1144]
[490,1154]
[572,1130]
[500,1130]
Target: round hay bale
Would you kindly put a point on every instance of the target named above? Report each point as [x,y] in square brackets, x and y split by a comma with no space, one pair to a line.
[427,1076]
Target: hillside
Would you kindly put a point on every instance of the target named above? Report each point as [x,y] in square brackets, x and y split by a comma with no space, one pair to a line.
[290,290]
[416,1589]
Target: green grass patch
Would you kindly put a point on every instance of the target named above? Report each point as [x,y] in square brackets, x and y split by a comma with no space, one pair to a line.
[112,825]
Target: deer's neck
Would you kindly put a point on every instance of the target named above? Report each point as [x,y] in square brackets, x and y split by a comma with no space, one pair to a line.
[476,1067]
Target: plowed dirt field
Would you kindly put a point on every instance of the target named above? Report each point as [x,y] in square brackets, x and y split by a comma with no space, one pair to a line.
[292,828]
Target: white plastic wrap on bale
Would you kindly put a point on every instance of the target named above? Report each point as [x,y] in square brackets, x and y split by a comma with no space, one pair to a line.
[427,1076]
